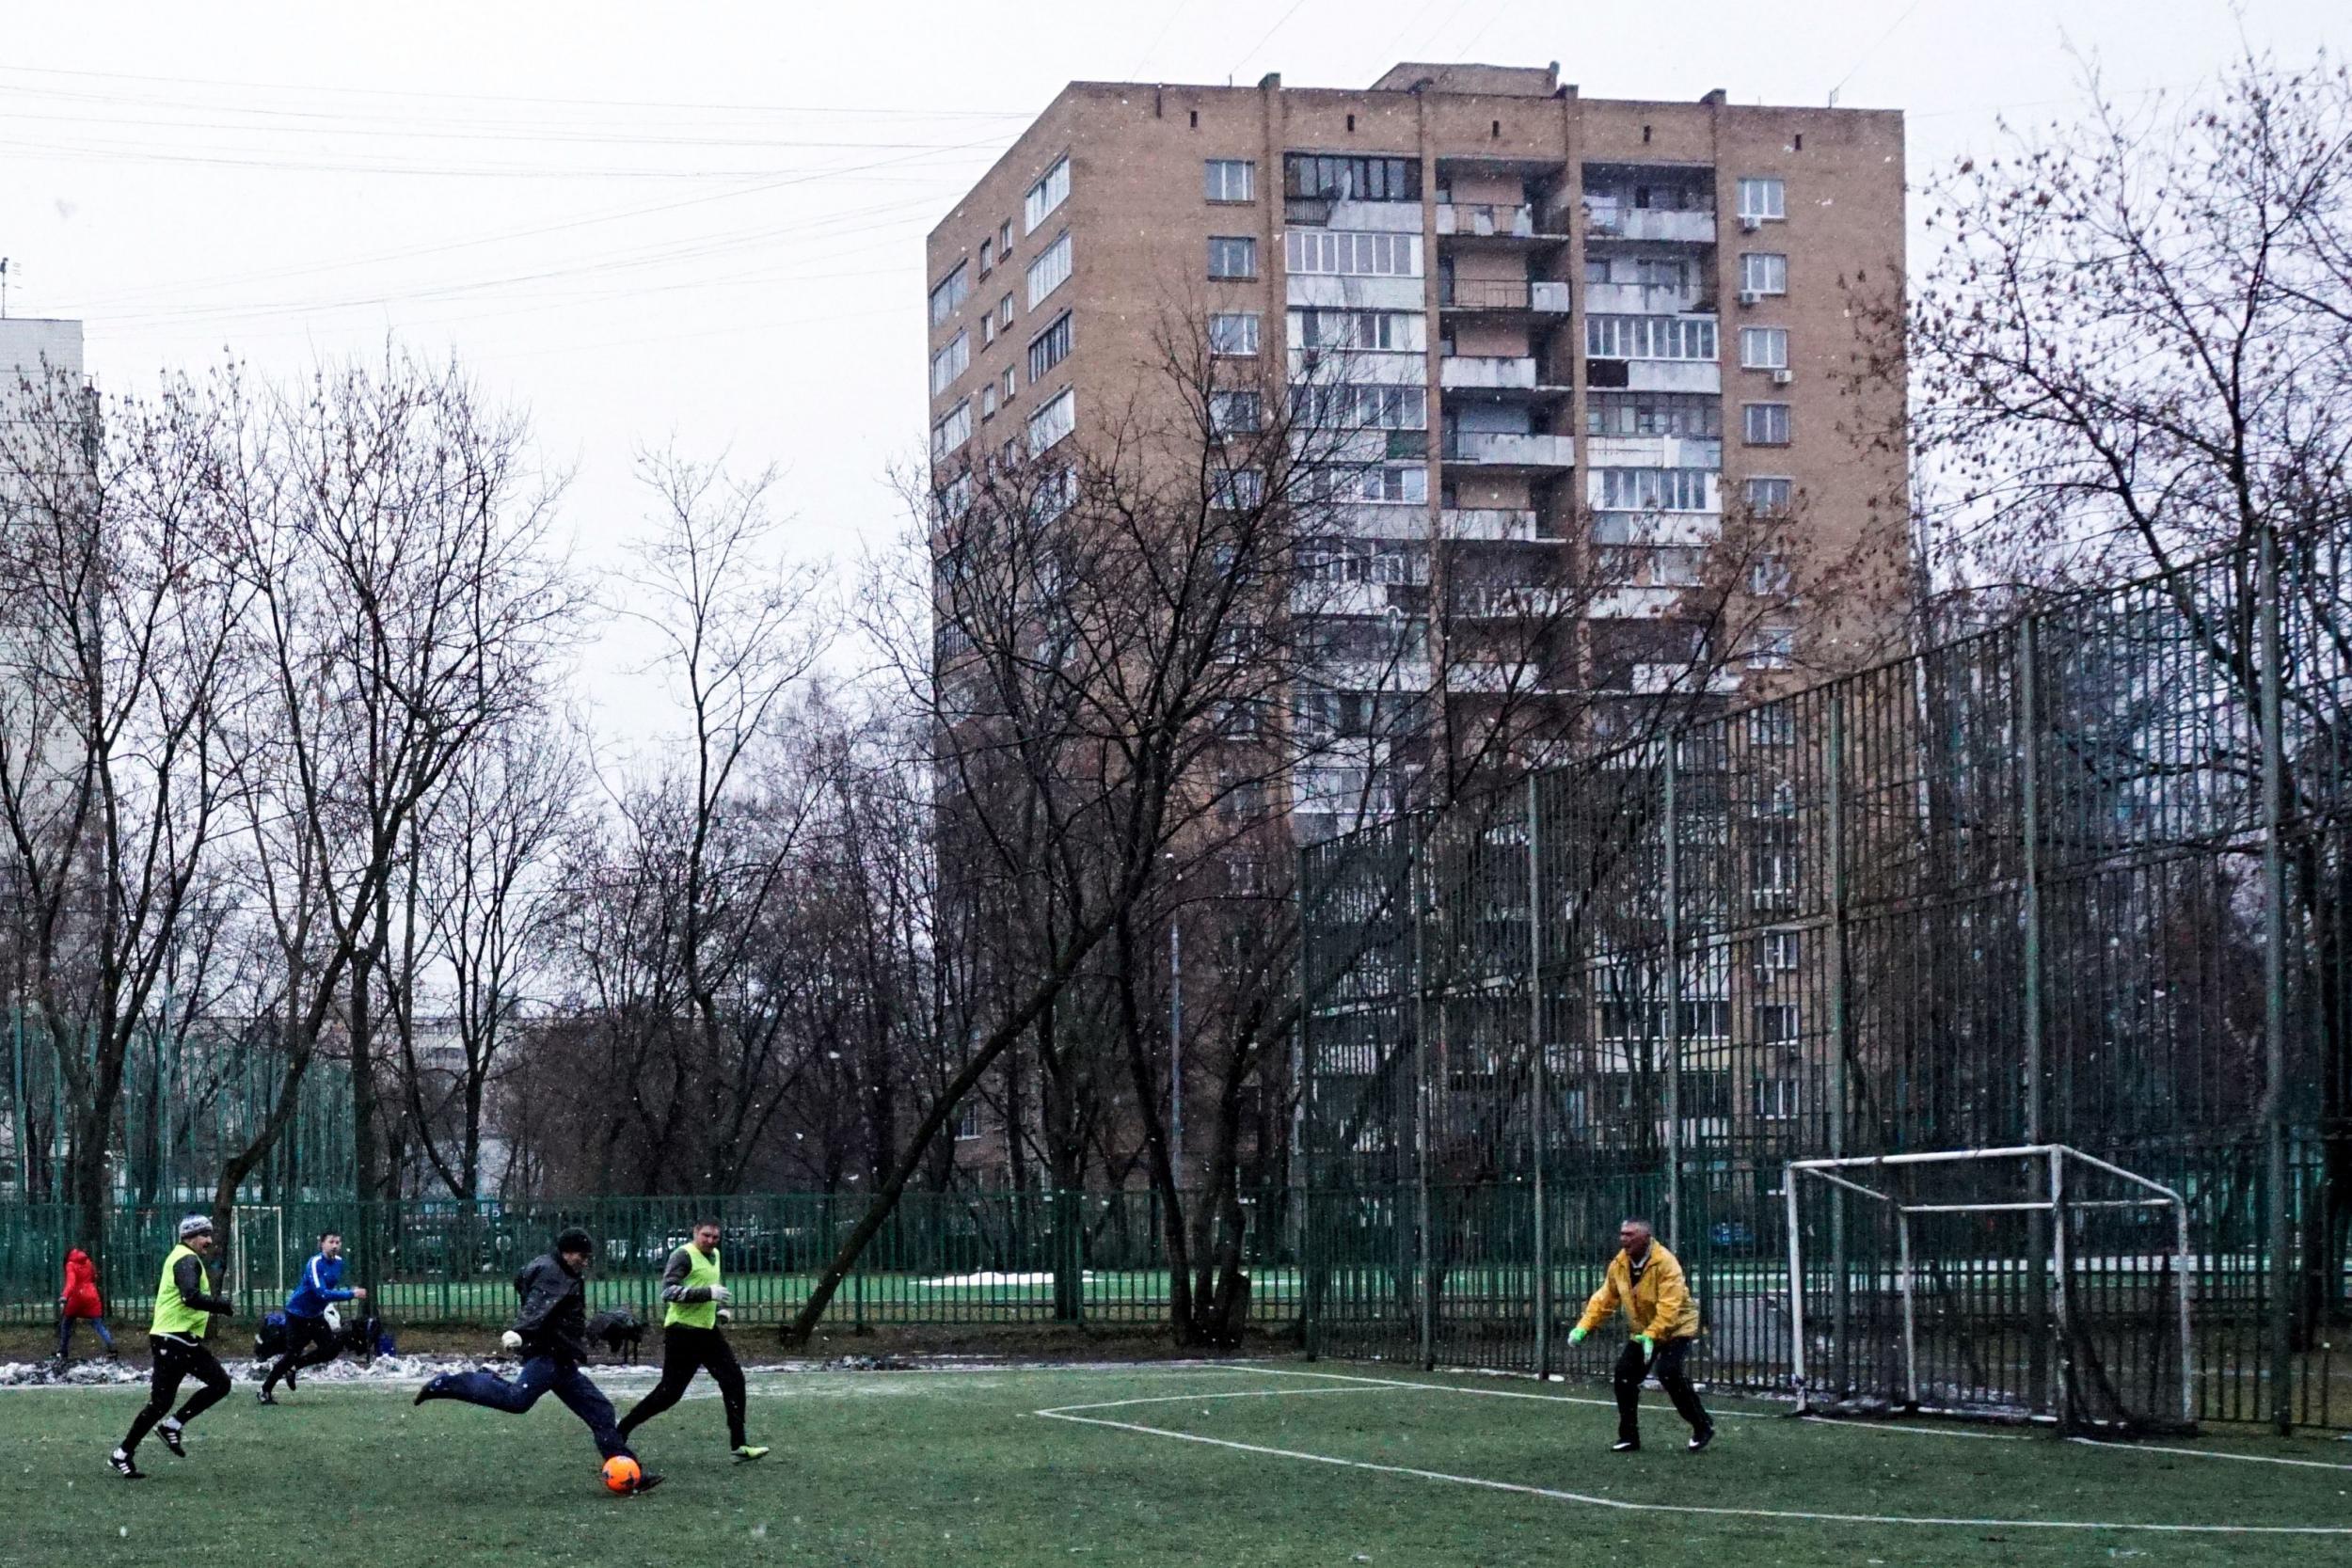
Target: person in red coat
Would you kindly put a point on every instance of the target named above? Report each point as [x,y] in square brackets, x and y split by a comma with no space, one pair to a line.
[79,1300]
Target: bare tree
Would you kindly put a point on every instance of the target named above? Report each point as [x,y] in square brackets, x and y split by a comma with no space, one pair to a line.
[393,535]
[2135,353]
[119,609]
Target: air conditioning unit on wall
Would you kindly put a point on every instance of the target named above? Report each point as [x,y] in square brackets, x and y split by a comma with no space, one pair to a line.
[1782,378]
[1749,297]
[1749,225]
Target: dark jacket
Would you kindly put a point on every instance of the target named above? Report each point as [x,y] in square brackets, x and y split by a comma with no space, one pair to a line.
[553,1319]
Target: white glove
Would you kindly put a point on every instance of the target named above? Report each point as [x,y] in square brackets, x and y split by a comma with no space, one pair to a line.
[511,1339]
[725,1316]
[719,1293]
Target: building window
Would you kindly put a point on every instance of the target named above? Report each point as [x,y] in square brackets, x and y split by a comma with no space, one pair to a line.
[1050,270]
[1771,498]
[1692,416]
[1350,254]
[1236,489]
[1047,194]
[1763,348]
[988,401]
[988,329]
[1360,407]
[1763,271]
[1053,422]
[1652,489]
[1768,577]
[1004,243]
[950,292]
[1012,382]
[1004,313]
[1234,332]
[1772,648]
[1398,484]
[988,257]
[968,1119]
[950,362]
[1778,1099]
[1405,331]
[1763,199]
[1229,179]
[1774,725]
[951,431]
[1049,348]
[1315,176]
[1232,413]
[1232,256]
[1650,337]
[1764,424]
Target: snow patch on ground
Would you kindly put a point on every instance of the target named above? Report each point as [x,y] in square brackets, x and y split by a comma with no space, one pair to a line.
[958,1281]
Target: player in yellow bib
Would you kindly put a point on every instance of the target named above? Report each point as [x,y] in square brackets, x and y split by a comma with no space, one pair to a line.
[184,1308]
[691,1339]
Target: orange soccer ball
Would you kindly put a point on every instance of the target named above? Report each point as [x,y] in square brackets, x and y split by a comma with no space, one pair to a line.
[621,1473]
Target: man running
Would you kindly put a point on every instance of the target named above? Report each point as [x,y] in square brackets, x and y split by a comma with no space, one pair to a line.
[184,1308]
[692,1339]
[312,1339]
[1644,1281]
[552,1332]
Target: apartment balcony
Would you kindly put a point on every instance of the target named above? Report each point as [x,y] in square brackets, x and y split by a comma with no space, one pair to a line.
[1662,375]
[1644,602]
[1358,366]
[1642,299]
[1650,680]
[1405,520]
[1500,375]
[1653,452]
[1508,449]
[1507,524]
[1657,528]
[1507,296]
[1330,292]
[1642,223]
[1390,217]
[1492,221]
[1498,678]
[1509,604]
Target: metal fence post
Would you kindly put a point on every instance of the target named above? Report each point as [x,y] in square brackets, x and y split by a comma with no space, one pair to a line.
[2034,1087]
[1426,1295]
[1538,1119]
[2281,1234]
[1671,829]
[1303,1125]
[1841,1024]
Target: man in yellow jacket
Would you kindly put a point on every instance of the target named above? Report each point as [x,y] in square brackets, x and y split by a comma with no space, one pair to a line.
[1645,1283]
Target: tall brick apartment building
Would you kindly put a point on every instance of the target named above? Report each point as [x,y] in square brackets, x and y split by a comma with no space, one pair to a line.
[1614,317]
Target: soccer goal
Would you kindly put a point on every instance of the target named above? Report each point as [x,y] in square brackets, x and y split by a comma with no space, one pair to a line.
[2033,1283]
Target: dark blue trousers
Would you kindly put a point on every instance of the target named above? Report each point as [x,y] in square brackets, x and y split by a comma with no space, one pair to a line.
[543,1374]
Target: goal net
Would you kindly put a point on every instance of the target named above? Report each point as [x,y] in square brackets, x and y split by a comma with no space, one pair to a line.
[2034,1283]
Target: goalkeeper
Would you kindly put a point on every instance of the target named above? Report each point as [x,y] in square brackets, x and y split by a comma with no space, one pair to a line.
[1644,1282]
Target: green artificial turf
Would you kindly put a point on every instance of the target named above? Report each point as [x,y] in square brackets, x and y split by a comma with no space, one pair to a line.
[958,1467]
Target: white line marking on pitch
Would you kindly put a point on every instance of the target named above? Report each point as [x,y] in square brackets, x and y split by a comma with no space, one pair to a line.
[2209,1453]
[1625,1505]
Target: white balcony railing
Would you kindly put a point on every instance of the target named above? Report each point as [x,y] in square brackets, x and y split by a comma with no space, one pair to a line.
[1497,220]
[1640,299]
[1508,449]
[1653,452]
[1489,522]
[1641,223]
[1487,372]
[1651,679]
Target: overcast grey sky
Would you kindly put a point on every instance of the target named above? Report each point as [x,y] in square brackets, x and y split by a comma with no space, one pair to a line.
[704,221]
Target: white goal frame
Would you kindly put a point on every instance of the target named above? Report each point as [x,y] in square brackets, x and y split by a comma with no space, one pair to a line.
[246,1224]
[1851,1175]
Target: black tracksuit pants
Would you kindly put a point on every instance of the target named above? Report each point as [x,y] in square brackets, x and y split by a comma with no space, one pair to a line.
[684,1352]
[308,1343]
[1632,1366]
[176,1358]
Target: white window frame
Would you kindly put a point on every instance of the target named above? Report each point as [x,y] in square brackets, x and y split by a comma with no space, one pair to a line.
[1351,253]
[1247,331]
[1224,406]
[1763,197]
[950,363]
[1772,648]
[1236,489]
[1625,336]
[1050,270]
[949,293]
[1250,248]
[1061,325]
[1219,176]
[1759,274]
[988,401]
[1763,348]
[1044,197]
[1754,416]
[1783,505]
[953,429]
[1053,420]
[1004,313]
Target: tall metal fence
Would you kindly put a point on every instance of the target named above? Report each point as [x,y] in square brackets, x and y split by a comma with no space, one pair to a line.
[2080,879]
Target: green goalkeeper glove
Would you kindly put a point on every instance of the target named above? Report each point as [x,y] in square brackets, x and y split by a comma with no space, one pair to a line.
[1575,1335]
[1649,1346]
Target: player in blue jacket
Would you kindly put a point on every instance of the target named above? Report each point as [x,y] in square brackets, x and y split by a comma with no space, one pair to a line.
[311,1340]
